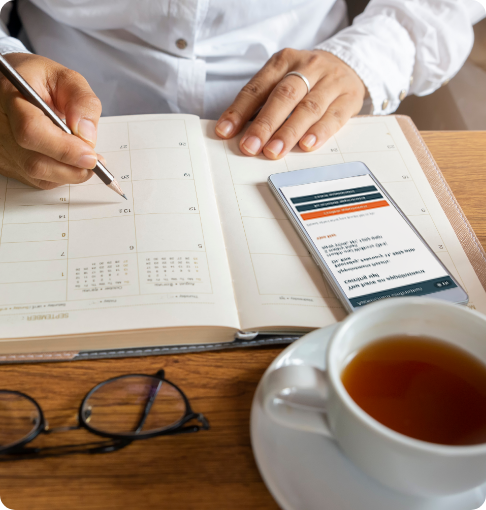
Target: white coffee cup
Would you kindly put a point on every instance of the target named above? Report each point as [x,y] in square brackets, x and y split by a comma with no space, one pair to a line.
[306,398]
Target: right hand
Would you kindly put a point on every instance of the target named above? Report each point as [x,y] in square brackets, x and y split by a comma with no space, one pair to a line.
[33,149]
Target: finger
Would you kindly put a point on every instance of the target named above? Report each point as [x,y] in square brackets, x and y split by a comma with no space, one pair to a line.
[13,171]
[73,96]
[33,131]
[337,114]
[305,114]
[36,167]
[42,169]
[284,98]
[255,93]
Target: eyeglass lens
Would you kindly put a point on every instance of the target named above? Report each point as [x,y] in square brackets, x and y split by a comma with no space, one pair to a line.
[134,405]
[19,417]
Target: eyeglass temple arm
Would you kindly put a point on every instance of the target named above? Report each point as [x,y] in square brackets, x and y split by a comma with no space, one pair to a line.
[49,451]
[148,406]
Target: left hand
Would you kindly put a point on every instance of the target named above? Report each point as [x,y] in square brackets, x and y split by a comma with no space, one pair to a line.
[337,94]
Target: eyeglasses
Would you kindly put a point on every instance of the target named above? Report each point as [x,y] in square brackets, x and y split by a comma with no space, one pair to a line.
[123,409]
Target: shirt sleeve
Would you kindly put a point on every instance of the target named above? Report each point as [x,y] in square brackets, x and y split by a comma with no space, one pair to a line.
[9,44]
[401,47]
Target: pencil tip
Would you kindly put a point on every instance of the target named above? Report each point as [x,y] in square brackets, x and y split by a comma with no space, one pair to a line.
[124,196]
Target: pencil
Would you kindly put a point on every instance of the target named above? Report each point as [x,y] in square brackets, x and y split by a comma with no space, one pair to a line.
[31,95]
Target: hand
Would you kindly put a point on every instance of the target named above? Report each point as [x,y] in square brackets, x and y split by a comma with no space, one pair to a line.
[337,94]
[33,149]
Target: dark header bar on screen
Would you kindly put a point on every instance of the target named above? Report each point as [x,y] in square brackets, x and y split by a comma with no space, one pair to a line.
[333,194]
[416,289]
[341,201]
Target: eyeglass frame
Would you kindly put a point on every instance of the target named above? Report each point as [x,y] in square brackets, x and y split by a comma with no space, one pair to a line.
[119,441]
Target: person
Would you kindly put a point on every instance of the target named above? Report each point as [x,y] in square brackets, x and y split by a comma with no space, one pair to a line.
[221,59]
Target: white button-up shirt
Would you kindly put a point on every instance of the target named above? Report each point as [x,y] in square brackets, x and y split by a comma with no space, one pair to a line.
[193,56]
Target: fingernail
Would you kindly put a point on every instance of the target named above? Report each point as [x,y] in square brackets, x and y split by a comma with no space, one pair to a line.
[87,161]
[252,144]
[309,141]
[275,147]
[87,130]
[225,128]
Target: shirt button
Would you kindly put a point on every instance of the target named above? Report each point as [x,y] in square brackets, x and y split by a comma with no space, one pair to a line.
[181,44]
[384,104]
[403,95]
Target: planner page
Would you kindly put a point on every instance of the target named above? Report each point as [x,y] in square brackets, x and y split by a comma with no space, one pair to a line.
[277,283]
[81,259]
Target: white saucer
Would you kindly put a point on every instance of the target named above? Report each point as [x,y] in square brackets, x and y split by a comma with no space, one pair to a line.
[306,471]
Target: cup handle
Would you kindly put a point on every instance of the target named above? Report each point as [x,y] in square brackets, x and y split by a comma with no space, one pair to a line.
[295,396]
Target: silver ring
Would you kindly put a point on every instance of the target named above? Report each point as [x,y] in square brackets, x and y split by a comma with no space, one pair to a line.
[306,81]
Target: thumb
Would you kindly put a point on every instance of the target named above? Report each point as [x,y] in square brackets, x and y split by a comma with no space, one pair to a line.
[80,105]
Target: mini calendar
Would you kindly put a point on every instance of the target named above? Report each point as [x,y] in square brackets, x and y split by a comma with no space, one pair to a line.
[167,272]
[103,277]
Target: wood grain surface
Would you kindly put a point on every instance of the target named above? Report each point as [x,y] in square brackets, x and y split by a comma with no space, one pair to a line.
[461,156]
[208,470]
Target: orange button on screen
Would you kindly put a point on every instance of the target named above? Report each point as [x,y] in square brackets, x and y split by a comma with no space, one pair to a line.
[344,210]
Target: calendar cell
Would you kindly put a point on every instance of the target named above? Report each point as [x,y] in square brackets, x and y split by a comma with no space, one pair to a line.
[34,197]
[157,133]
[25,232]
[162,163]
[100,237]
[98,201]
[258,202]
[365,137]
[112,137]
[38,271]
[43,250]
[36,214]
[161,232]
[165,196]
[385,166]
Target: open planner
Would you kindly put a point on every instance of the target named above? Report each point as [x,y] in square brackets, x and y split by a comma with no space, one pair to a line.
[200,253]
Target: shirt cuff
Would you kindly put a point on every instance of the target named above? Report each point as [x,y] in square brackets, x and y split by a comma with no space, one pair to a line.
[382,54]
[11,45]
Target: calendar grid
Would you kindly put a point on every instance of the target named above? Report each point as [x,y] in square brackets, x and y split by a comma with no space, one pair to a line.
[89,245]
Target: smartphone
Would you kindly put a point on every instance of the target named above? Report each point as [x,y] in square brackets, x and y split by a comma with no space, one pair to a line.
[362,242]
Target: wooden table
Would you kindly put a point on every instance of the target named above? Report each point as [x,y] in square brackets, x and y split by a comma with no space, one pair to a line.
[208,470]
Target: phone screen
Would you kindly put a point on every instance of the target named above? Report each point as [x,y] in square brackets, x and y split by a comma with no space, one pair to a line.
[366,243]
